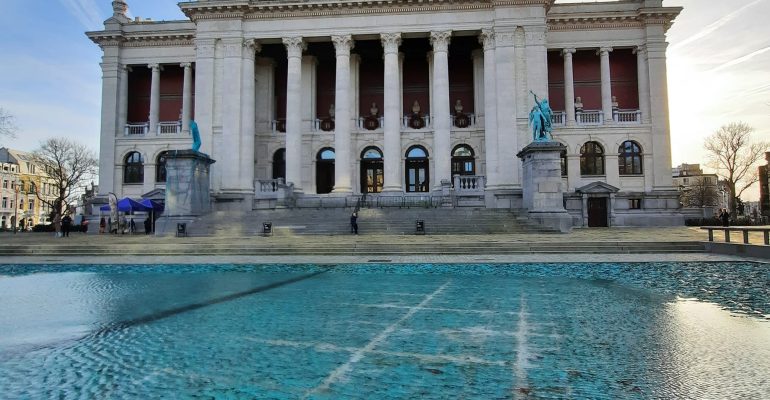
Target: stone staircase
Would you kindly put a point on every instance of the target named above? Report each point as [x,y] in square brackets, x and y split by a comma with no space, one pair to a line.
[387,221]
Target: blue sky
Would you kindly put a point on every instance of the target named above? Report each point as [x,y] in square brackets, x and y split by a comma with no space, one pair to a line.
[719,68]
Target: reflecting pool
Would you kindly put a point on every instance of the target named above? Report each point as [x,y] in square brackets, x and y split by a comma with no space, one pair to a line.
[526,331]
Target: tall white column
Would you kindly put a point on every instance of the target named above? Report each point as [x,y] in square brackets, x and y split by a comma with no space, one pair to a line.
[506,109]
[355,64]
[231,114]
[108,180]
[294,48]
[569,86]
[643,82]
[204,91]
[441,139]
[661,129]
[186,96]
[604,58]
[123,99]
[477,56]
[392,156]
[248,115]
[154,98]
[487,38]
[343,182]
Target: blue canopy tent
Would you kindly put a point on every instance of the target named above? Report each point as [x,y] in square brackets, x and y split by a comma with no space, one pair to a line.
[127,205]
[154,207]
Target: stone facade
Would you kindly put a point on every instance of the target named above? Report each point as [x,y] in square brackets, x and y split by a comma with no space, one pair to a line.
[22,182]
[342,98]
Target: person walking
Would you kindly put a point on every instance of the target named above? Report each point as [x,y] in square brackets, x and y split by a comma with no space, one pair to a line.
[102,226]
[132,226]
[354,223]
[66,224]
[57,224]
[725,217]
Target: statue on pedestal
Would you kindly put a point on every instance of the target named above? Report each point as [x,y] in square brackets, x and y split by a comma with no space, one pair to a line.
[374,111]
[540,120]
[196,136]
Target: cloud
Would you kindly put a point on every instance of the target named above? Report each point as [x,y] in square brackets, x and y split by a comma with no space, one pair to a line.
[86,12]
[714,26]
[740,60]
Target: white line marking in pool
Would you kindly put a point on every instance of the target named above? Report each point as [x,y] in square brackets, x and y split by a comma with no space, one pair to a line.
[522,353]
[343,369]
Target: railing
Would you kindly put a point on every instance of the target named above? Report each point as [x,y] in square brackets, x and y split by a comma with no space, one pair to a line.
[627,116]
[409,201]
[469,184]
[268,186]
[137,129]
[589,117]
[559,118]
[361,123]
[407,119]
[169,128]
[278,125]
[463,121]
[743,229]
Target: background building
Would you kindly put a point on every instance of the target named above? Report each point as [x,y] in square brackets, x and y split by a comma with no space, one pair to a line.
[21,179]
[338,98]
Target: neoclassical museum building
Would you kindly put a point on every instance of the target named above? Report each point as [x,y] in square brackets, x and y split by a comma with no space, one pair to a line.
[338,98]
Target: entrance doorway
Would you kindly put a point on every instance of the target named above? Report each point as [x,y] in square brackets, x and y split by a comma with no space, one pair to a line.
[597,212]
[372,172]
[416,166]
[324,171]
[279,164]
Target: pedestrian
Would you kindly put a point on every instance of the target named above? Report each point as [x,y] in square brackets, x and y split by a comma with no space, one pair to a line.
[132,226]
[102,226]
[725,217]
[57,224]
[147,225]
[354,223]
[66,223]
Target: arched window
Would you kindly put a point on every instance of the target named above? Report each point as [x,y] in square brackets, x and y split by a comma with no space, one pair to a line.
[630,158]
[279,164]
[372,172]
[324,171]
[160,167]
[591,159]
[417,176]
[463,162]
[133,168]
[563,157]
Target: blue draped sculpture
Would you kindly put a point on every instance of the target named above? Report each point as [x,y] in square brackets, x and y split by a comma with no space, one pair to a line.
[540,120]
[196,136]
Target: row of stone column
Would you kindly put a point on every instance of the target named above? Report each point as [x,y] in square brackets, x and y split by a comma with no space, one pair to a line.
[154,117]
[606,85]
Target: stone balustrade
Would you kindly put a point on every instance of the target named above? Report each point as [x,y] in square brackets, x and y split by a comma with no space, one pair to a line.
[137,129]
[627,116]
[469,183]
[592,117]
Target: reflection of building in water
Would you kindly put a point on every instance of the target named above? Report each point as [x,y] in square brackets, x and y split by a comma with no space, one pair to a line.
[262,84]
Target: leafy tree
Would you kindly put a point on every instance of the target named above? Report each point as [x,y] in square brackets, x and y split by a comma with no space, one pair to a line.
[734,155]
[67,164]
[7,124]
[701,192]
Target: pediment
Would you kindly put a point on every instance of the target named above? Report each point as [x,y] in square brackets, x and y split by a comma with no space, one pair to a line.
[597,187]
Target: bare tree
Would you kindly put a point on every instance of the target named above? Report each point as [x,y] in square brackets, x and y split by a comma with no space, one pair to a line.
[7,124]
[67,164]
[734,155]
[701,192]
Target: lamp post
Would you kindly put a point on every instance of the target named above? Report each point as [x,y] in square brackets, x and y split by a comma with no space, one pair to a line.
[16,206]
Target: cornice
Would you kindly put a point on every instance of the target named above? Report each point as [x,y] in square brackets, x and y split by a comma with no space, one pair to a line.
[273,9]
[143,39]
[613,20]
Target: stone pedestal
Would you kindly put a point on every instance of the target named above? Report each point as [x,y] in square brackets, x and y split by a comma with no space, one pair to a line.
[187,189]
[542,192]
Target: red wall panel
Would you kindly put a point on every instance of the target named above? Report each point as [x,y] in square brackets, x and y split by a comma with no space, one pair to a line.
[556,80]
[371,77]
[416,83]
[461,81]
[139,82]
[623,71]
[281,71]
[326,80]
[171,87]
[588,78]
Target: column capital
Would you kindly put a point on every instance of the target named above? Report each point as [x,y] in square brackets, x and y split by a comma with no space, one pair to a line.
[567,52]
[440,40]
[640,50]
[604,51]
[505,38]
[343,44]
[154,66]
[487,38]
[124,68]
[390,42]
[294,46]
[251,47]
[186,65]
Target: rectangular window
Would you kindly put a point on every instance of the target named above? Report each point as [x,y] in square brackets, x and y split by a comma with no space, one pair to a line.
[635,204]
[5,202]
[686,181]
[21,204]
[31,204]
